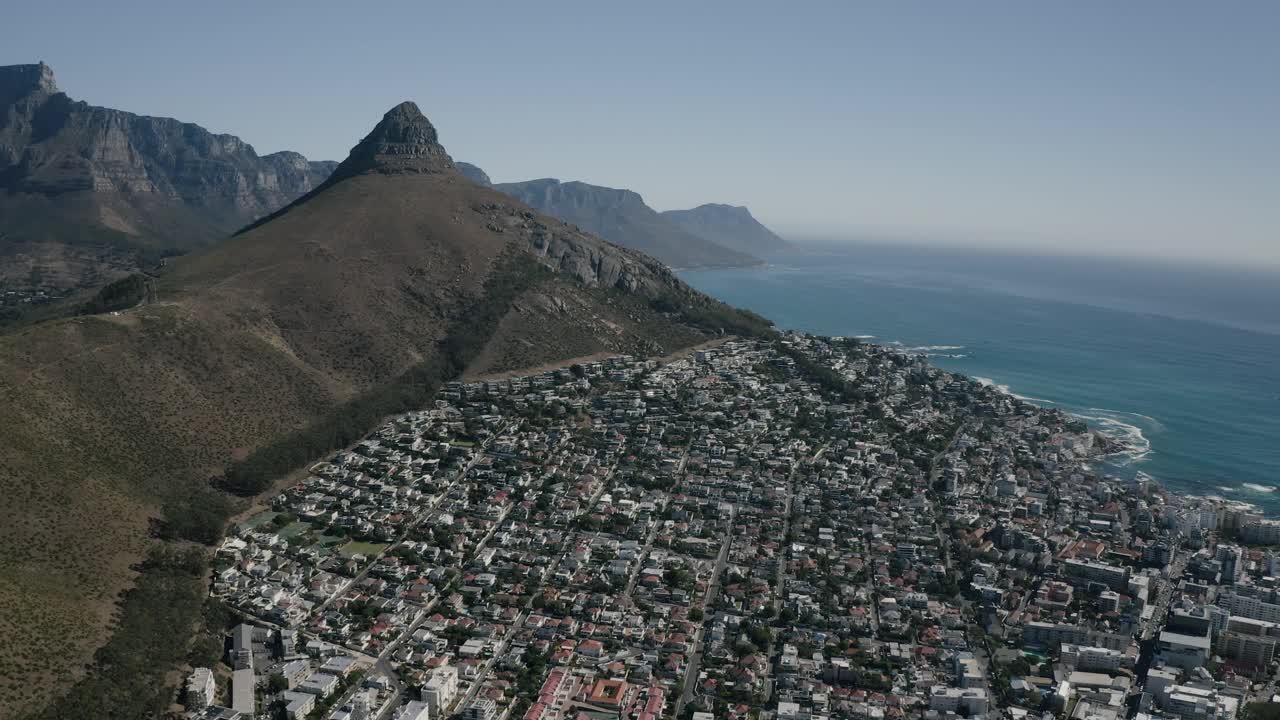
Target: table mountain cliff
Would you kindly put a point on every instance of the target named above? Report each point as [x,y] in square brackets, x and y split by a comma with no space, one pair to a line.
[88,193]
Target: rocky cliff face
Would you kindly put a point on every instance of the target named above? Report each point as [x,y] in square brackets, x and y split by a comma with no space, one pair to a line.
[729,225]
[51,144]
[17,81]
[621,216]
[70,170]
[403,142]
[573,253]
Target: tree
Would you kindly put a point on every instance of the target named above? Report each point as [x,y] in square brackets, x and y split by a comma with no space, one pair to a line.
[284,520]
[1019,667]
[678,577]
[277,683]
[1261,711]
[206,650]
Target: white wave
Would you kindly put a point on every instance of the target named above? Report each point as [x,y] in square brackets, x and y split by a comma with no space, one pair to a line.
[864,337]
[1128,433]
[1226,489]
[1038,401]
[933,348]
[1005,389]
[1258,488]
[1156,425]
[992,383]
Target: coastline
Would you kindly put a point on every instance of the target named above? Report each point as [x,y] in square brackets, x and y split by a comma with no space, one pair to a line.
[1116,446]
[1192,398]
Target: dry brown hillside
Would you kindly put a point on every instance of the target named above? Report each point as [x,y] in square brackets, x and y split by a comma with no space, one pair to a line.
[396,273]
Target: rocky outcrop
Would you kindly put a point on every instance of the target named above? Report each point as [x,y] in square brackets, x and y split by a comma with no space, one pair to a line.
[403,142]
[17,81]
[578,255]
[621,216]
[729,225]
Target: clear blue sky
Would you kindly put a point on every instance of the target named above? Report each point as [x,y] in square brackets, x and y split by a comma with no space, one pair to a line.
[1143,128]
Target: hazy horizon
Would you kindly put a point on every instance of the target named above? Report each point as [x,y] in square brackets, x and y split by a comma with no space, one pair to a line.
[854,239]
[1142,130]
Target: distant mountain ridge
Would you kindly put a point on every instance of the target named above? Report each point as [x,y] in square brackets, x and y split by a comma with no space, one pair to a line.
[731,226]
[86,190]
[621,216]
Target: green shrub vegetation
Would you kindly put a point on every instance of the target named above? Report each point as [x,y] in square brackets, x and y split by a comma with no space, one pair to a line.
[119,295]
[199,516]
[823,375]
[715,317]
[129,674]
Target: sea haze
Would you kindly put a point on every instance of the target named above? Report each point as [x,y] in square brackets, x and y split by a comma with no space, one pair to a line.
[1183,362]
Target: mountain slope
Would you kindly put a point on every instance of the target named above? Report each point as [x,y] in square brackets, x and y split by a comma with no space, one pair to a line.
[87,193]
[474,174]
[268,349]
[729,226]
[622,217]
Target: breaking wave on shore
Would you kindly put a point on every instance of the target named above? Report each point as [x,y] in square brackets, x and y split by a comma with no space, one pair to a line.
[1121,425]
[1005,389]
[931,351]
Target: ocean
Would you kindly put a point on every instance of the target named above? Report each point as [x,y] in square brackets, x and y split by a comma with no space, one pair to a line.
[1183,362]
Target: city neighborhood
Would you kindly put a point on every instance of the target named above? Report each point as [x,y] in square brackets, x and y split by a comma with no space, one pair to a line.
[800,529]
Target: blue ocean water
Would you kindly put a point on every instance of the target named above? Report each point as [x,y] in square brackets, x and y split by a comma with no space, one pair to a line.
[1183,362]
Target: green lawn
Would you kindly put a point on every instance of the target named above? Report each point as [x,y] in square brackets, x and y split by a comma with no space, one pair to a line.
[360,548]
[294,529]
[260,519]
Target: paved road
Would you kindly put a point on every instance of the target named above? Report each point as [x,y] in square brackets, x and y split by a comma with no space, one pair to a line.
[624,600]
[780,578]
[713,588]
[934,473]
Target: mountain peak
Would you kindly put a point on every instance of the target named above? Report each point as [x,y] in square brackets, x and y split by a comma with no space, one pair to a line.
[18,81]
[404,141]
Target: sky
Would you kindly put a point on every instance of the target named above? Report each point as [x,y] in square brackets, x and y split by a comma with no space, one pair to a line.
[1139,128]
